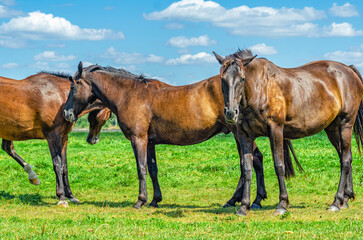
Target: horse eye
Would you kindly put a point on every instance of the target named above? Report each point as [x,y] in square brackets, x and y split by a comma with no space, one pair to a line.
[243,79]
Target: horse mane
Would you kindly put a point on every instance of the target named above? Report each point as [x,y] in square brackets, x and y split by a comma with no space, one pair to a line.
[57,74]
[240,54]
[119,72]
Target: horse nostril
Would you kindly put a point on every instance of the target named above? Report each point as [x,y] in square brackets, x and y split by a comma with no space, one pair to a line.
[235,111]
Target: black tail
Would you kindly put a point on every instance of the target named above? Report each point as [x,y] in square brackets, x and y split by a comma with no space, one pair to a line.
[289,168]
[358,125]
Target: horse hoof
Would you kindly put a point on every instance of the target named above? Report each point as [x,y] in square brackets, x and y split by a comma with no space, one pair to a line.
[255,206]
[154,204]
[73,200]
[280,211]
[34,181]
[242,211]
[344,206]
[333,208]
[63,203]
[139,204]
[227,205]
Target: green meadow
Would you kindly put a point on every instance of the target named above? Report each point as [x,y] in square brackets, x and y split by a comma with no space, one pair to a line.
[195,181]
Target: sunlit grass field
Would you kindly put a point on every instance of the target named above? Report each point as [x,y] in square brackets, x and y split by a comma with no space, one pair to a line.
[195,181]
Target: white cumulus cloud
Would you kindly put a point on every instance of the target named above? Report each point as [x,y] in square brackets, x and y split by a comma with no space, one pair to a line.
[341,30]
[9,42]
[348,57]
[346,10]
[38,25]
[199,58]
[263,49]
[243,20]
[8,2]
[131,58]
[6,12]
[9,65]
[353,56]
[53,57]
[183,42]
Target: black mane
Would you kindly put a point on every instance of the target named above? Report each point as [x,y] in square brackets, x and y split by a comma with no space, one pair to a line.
[240,54]
[58,74]
[118,72]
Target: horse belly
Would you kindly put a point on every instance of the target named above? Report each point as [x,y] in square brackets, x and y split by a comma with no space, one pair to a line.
[18,126]
[182,135]
[307,126]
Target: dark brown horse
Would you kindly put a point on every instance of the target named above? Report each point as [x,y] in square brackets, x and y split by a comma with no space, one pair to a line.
[263,99]
[33,109]
[150,112]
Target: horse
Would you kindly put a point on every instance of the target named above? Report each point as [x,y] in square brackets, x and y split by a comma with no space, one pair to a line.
[32,108]
[150,112]
[96,120]
[263,99]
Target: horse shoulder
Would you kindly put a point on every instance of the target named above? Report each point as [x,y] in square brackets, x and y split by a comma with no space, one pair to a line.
[276,99]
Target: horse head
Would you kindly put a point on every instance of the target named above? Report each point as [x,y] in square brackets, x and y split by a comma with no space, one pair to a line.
[80,96]
[96,121]
[233,76]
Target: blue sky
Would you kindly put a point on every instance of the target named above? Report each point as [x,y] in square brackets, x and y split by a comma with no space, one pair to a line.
[173,40]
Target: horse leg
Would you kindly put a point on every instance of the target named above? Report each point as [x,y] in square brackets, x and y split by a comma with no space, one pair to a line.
[139,145]
[334,137]
[260,179]
[153,171]
[8,147]
[246,162]
[55,148]
[237,196]
[67,187]
[261,190]
[276,142]
[345,187]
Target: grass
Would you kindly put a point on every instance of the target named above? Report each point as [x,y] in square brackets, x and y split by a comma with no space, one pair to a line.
[195,181]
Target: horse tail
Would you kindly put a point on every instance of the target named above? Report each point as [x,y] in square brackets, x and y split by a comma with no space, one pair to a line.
[289,168]
[358,124]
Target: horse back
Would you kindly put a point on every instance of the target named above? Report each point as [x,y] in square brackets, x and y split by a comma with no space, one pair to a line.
[30,105]
[311,96]
[188,114]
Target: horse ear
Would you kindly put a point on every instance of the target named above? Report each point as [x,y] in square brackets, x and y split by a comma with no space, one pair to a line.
[80,68]
[220,59]
[248,60]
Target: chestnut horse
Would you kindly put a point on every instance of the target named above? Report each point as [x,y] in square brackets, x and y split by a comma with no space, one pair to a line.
[150,112]
[263,99]
[96,120]
[32,108]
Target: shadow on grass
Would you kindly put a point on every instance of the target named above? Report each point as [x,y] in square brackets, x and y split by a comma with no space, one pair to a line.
[178,211]
[109,204]
[172,206]
[30,199]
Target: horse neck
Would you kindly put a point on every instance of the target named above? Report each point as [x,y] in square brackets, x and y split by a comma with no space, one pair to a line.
[254,86]
[112,92]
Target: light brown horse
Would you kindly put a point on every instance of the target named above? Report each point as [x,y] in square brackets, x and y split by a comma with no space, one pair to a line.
[33,109]
[263,99]
[150,112]
[96,120]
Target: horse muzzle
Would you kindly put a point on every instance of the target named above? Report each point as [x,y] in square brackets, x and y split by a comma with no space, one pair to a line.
[69,115]
[92,140]
[231,115]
